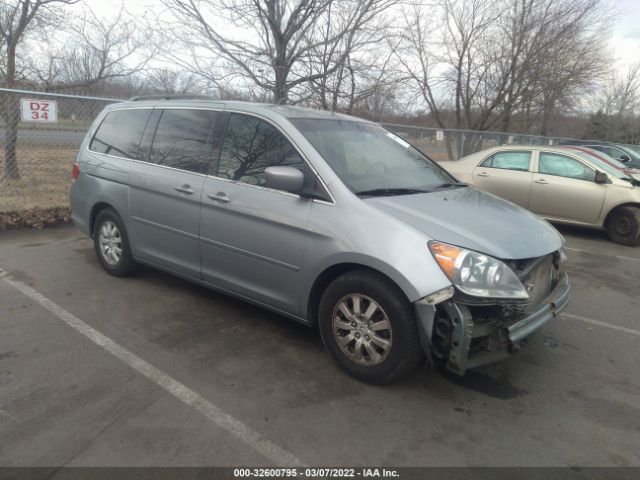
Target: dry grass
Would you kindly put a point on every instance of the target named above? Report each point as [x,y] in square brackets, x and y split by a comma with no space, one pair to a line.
[45,177]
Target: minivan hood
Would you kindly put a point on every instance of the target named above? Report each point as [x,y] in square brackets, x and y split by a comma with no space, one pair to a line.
[476,220]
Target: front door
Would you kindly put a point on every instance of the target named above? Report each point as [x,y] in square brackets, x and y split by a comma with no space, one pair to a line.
[253,238]
[565,188]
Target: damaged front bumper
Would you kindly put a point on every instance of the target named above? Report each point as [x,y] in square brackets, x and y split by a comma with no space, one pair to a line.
[460,337]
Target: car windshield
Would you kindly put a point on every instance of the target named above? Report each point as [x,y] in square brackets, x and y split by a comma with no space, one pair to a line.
[371,160]
[633,155]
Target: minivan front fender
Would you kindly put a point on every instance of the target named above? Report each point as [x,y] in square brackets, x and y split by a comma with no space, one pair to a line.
[335,265]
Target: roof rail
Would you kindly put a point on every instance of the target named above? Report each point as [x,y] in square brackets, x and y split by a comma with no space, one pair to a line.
[172,96]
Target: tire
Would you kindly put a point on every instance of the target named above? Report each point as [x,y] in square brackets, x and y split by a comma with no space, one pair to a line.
[623,226]
[403,352]
[111,244]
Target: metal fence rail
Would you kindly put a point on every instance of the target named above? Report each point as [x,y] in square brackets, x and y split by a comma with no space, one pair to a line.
[37,153]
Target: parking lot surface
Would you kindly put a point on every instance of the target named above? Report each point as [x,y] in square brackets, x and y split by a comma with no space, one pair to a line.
[155,371]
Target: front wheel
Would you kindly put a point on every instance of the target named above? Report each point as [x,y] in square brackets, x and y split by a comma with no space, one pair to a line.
[369,328]
[111,244]
[623,226]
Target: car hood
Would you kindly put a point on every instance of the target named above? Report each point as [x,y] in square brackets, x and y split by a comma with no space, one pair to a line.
[476,220]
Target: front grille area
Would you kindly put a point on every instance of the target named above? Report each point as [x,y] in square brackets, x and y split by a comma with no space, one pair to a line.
[540,281]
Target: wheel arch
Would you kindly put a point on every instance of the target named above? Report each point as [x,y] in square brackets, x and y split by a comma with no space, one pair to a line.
[95,211]
[613,209]
[332,272]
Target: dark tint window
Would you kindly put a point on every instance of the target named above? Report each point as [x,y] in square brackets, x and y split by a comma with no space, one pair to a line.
[508,161]
[119,134]
[250,146]
[183,140]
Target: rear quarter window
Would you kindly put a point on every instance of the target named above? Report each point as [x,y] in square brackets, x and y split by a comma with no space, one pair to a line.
[508,161]
[120,132]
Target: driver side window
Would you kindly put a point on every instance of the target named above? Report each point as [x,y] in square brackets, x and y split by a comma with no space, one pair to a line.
[561,166]
[250,146]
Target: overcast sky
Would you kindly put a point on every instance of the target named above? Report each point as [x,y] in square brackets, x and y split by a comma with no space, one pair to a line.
[626,31]
[624,42]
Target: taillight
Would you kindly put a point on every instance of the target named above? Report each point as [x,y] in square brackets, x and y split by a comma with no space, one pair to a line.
[76,171]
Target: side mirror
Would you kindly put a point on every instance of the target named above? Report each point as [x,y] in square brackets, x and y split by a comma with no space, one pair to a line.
[288,179]
[624,158]
[601,177]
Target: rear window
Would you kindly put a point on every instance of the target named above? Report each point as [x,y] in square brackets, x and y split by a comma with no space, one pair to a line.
[119,134]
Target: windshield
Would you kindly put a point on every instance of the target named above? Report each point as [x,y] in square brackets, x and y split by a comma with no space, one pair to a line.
[371,160]
[633,155]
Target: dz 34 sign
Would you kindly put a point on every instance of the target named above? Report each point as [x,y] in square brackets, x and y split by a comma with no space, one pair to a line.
[40,111]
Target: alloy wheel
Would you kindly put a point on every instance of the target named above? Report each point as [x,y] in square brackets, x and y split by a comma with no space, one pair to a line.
[362,329]
[110,242]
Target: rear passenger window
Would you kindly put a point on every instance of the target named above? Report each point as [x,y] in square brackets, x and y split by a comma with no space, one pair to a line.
[509,161]
[183,140]
[250,146]
[119,134]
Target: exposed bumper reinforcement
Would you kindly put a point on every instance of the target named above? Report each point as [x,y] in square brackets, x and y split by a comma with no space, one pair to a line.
[464,330]
[555,303]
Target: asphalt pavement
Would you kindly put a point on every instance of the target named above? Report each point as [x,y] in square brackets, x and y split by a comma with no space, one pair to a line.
[155,371]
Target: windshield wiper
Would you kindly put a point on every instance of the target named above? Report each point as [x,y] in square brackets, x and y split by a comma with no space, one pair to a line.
[388,192]
[448,185]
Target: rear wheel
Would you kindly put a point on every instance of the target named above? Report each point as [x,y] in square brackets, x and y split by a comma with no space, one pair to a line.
[112,244]
[623,225]
[368,326]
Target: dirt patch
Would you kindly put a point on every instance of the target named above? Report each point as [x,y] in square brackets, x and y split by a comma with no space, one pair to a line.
[34,218]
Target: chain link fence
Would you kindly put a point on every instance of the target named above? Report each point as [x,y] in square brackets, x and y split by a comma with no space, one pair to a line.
[40,134]
[450,144]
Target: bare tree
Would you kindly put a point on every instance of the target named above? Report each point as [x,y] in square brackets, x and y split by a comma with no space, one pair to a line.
[167,80]
[366,78]
[99,49]
[267,43]
[617,102]
[564,53]
[16,18]
[449,64]
[622,96]
[485,59]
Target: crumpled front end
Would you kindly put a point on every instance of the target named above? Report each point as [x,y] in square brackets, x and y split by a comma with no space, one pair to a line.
[464,332]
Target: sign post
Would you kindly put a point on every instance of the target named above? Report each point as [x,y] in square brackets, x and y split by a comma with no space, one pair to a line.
[39,111]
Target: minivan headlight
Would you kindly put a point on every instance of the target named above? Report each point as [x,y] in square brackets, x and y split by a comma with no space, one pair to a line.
[477,274]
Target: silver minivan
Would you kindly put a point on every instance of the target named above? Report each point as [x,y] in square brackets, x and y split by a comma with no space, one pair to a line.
[327,219]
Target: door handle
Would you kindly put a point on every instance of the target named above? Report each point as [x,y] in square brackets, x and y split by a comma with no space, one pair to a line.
[219,197]
[541,181]
[185,189]
[483,174]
